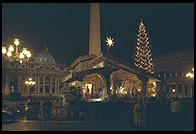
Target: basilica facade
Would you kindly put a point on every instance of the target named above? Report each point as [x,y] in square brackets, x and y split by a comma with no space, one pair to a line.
[42,69]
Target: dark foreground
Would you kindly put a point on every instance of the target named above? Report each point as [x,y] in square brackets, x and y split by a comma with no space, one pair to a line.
[33,125]
[38,125]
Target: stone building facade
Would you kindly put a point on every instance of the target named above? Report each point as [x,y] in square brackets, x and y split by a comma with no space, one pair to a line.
[172,69]
[42,69]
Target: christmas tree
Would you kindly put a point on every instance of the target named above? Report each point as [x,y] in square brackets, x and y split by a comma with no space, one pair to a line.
[143,56]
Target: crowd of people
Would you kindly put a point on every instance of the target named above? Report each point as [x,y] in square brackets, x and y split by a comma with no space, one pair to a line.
[147,114]
[38,110]
[159,115]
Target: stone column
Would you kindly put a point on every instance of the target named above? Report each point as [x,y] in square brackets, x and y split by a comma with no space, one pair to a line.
[43,84]
[183,90]
[107,79]
[176,93]
[38,86]
[35,83]
[58,83]
[55,84]
[28,89]
[50,84]
[6,84]
[144,84]
[190,89]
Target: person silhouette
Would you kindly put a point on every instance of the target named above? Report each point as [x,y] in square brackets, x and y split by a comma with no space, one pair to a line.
[139,115]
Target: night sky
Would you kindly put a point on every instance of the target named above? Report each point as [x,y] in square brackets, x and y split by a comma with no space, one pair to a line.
[64,27]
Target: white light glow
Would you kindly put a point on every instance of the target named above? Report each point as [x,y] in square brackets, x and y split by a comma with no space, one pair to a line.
[16,42]
[4,50]
[110,41]
[24,51]
[9,54]
[154,83]
[28,54]
[21,56]
[11,48]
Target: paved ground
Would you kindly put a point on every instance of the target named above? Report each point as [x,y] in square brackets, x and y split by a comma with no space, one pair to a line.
[33,125]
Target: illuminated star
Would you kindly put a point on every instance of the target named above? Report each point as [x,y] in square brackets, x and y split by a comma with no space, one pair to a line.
[110,41]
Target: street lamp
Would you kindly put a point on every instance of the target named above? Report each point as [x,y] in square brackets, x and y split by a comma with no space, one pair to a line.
[190,74]
[173,92]
[29,84]
[12,52]
[110,42]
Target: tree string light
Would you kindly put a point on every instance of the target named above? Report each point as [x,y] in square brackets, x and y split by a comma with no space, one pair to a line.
[143,57]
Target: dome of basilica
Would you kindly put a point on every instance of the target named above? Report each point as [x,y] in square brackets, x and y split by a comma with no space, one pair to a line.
[44,58]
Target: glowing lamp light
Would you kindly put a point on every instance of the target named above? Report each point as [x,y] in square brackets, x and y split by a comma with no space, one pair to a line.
[139,89]
[173,90]
[4,51]
[26,108]
[26,82]
[16,42]
[11,48]
[124,92]
[121,89]
[189,75]
[28,54]
[73,83]
[13,52]
[9,54]
[154,83]
[24,51]
[30,82]
[153,95]
[21,56]
[193,69]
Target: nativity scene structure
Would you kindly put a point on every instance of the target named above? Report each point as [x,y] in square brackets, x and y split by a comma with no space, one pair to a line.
[103,76]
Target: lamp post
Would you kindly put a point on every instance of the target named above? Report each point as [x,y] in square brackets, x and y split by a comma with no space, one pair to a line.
[13,53]
[29,84]
[190,75]
[110,43]
[174,93]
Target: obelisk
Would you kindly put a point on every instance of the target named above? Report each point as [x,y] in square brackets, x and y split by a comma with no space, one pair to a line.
[94,34]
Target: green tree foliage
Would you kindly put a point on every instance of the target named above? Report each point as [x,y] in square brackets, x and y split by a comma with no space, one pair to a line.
[71,94]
